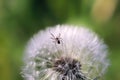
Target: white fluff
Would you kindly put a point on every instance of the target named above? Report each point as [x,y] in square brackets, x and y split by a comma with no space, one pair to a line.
[77,42]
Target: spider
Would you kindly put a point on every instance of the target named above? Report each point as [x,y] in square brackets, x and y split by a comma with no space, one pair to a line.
[56,39]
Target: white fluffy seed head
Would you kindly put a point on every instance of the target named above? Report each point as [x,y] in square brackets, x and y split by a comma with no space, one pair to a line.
[79,55]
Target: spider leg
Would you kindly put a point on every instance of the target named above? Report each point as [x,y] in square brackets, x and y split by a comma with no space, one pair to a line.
[52,35]
[52,38]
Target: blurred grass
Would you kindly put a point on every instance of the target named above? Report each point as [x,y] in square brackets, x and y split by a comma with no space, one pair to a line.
[20,19]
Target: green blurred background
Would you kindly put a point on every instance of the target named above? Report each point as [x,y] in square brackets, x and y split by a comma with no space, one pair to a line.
[20,19]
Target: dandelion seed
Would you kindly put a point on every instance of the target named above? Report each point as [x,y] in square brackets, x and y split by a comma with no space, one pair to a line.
[83,55]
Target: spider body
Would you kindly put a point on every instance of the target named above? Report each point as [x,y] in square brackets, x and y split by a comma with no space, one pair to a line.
[58,40]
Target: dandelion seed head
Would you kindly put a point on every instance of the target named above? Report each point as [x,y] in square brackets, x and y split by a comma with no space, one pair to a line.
[82,55]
